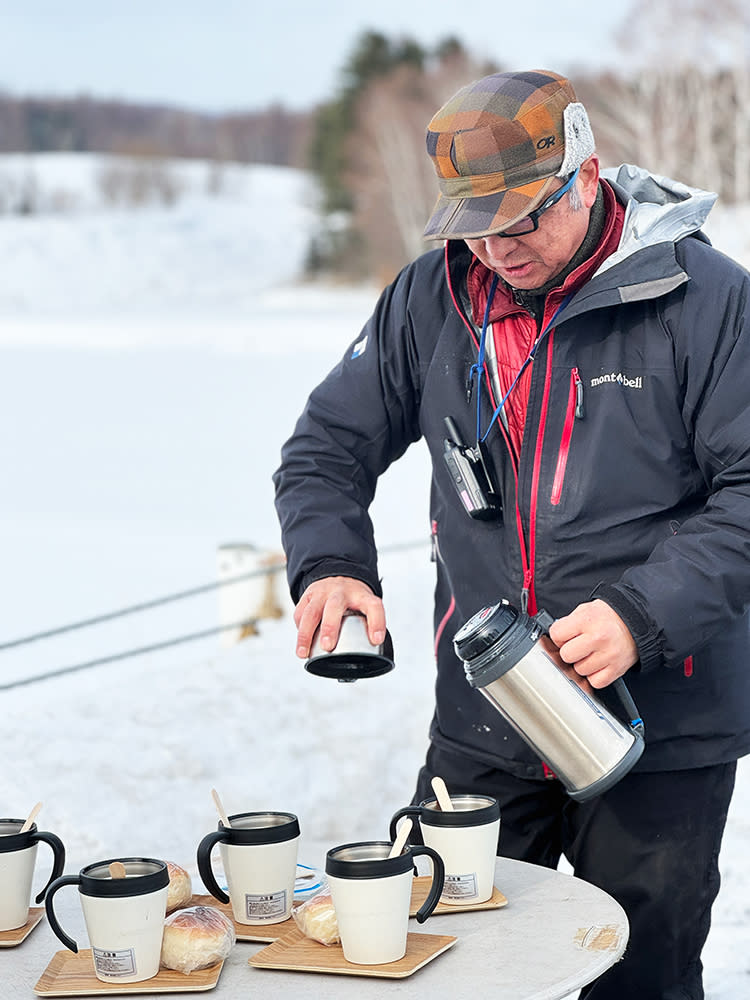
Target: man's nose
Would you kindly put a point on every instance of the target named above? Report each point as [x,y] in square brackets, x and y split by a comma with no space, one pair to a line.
[499,245]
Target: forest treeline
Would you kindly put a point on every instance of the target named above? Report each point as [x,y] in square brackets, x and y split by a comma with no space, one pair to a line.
[681,110]
[85,125]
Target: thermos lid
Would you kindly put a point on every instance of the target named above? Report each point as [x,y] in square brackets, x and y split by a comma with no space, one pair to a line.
[354,656]
[493,640]
[484,629]
[352,666]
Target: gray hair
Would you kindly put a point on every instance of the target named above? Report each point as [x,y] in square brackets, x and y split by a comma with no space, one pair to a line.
[574,198]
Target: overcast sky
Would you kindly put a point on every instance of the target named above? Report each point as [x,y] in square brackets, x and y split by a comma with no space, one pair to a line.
[220,55]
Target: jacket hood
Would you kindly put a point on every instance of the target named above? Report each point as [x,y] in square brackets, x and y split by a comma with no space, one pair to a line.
[657,209]
[659,212]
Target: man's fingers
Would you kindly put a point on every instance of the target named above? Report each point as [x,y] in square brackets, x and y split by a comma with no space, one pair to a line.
[323,605]
[306,626]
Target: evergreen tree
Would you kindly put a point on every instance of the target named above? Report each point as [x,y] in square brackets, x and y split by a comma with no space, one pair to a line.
[374,56]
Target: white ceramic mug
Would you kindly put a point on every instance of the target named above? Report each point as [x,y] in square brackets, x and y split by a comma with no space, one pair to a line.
[17,860]
[371,895]
[466,838]
[259,855]
[124,917]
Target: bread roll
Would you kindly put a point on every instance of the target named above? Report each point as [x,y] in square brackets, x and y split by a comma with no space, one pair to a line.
[316,918]
[195,938]
[180,889]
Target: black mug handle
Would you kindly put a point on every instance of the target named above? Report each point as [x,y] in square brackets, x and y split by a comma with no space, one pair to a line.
[438,880]
[204,864]
[544,620]
[58,883]
[411,811]
[58,862]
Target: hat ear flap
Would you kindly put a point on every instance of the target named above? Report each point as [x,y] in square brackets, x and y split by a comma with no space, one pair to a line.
[579,139]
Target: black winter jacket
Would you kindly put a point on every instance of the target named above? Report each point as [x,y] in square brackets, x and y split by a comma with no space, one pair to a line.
[637,493]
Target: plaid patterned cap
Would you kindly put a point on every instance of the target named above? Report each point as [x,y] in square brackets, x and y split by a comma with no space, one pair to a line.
[497,145]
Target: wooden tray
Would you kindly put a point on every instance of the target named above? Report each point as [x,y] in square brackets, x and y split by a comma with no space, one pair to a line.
[421,890]
[247,932]
[9,939]
[297,953]
[72,975]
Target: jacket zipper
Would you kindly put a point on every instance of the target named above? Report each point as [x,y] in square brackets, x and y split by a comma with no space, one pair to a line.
[525,561]
[687,663]
[574,410]
[528,592]
[528,597]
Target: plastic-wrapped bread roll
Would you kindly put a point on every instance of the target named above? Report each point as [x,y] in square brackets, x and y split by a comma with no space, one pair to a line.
[316,918]
[180,889]
[195,938]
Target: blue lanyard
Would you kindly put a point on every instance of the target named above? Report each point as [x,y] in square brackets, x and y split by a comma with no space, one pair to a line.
[481,365]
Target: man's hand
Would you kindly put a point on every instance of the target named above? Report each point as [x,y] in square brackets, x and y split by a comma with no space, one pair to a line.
[596,641]
[324,603]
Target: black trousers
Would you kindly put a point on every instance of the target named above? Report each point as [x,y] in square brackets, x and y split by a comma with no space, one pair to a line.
[652,842]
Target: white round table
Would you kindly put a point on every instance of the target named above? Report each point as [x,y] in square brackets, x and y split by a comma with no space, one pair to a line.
[556,934]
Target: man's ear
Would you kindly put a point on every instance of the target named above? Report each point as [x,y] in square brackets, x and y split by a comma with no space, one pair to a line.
[588,179]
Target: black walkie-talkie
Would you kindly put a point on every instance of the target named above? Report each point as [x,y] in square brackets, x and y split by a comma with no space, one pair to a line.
[469,475]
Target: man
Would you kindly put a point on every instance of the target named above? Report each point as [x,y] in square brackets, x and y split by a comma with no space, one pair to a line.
[591,350]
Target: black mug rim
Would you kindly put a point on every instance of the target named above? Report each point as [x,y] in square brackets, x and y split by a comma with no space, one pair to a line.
[384,867]
[133,885]
[482,816]
[17,841]
[279,833]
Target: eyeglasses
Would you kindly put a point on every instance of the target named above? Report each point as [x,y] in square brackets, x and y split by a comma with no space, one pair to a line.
[530,223]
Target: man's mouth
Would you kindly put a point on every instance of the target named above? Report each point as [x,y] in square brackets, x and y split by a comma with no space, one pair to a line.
[516,268]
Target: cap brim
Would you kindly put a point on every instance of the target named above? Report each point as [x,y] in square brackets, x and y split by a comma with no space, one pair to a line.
[467,218]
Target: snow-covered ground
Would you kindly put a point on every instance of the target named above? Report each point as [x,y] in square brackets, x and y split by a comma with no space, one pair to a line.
[153,361]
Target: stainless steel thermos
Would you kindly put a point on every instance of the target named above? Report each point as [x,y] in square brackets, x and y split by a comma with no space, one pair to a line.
[509,657]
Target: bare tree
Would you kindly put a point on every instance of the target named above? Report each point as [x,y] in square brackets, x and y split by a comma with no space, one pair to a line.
[683,111]
[138,181]
[737,19]
[391,177]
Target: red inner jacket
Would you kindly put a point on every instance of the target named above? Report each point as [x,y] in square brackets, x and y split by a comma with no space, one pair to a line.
[514,329]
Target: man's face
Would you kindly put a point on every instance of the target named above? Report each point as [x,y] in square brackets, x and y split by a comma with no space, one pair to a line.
[530,261]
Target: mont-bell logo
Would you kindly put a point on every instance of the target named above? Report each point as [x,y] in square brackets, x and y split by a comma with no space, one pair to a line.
[620,379]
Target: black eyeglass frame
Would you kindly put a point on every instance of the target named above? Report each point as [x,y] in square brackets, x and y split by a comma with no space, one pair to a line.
[533,217]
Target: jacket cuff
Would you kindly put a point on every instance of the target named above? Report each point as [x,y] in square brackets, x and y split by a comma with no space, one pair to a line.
[334,567]
[643,629]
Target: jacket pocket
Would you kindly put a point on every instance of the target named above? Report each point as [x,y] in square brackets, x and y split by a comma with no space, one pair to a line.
[573,410]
